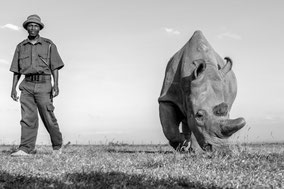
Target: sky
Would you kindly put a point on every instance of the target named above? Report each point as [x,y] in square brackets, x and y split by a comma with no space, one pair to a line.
[115,54]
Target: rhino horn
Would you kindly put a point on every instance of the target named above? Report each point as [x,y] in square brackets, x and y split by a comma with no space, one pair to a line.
[228,66]
[230,126]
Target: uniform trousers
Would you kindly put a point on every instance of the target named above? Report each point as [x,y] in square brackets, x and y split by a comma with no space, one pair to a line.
[36,97]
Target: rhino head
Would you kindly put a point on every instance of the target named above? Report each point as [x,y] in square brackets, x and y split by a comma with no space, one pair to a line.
[198,91]
[209,94]
[209,87]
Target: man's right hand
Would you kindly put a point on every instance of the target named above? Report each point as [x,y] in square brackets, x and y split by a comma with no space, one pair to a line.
[14,95]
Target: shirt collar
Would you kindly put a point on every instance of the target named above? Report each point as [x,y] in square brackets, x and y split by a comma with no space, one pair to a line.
[26,41]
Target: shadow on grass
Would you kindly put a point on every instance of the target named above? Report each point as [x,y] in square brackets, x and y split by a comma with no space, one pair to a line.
[96,180]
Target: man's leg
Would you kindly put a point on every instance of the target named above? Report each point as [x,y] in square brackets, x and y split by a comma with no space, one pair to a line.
[46,111]
[29,122]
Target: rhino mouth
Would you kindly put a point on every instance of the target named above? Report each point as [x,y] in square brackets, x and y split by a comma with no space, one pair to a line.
[207,147]
[227,127]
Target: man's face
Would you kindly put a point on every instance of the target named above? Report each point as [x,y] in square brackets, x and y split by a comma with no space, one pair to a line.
[33,29]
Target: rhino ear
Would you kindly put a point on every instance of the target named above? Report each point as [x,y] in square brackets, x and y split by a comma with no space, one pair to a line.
[200,65]
[228,66]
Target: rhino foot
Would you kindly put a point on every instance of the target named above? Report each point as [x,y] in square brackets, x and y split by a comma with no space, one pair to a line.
[175,145]
[185,147]
[182,146]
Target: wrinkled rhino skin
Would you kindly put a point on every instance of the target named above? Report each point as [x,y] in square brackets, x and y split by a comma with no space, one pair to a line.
[198,92]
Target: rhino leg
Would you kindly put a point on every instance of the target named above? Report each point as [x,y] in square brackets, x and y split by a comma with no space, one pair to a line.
[187,136]
[170,117]
[186,131]
[194,146]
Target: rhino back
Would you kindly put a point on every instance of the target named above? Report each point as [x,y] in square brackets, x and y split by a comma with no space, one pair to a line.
[181,66]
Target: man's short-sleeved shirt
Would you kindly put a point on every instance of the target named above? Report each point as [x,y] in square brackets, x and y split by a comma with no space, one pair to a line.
[39,58]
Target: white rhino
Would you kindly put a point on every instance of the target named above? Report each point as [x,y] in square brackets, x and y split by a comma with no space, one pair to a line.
[198,92]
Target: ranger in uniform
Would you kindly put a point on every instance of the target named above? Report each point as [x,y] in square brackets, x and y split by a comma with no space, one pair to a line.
[38,59]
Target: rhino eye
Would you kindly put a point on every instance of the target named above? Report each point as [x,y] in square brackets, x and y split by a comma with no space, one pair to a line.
[200,115]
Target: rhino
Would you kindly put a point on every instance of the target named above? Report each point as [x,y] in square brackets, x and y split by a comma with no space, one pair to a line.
[198,91]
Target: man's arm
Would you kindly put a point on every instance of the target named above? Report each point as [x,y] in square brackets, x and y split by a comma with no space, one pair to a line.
[16,78]
[55,89]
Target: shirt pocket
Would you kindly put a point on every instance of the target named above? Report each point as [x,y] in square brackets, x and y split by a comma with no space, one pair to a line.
[24,62]
[43,60]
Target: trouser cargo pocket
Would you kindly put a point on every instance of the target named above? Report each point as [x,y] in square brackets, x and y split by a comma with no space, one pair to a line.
[50,109]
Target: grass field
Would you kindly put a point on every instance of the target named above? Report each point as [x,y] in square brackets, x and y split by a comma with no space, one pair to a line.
[147,166]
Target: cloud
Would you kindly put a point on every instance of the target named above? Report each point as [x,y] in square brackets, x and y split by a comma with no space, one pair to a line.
[229,35]
[172,31]
[269,117]
[11,27]
[3,61]
[273,119]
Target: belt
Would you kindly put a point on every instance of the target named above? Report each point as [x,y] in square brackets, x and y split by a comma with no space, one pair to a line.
[37,78]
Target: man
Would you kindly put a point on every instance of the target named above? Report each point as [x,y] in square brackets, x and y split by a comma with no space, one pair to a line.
[37,58]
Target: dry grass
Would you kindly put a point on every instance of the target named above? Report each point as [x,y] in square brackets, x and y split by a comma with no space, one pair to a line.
[127,166]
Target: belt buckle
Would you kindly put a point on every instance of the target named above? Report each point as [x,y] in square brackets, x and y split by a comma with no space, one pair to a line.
[34,78]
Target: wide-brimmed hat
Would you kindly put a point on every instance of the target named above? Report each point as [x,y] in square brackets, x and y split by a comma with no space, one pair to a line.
[33,19]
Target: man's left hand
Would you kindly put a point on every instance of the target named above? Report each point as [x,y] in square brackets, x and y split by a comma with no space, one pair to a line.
[55,91]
